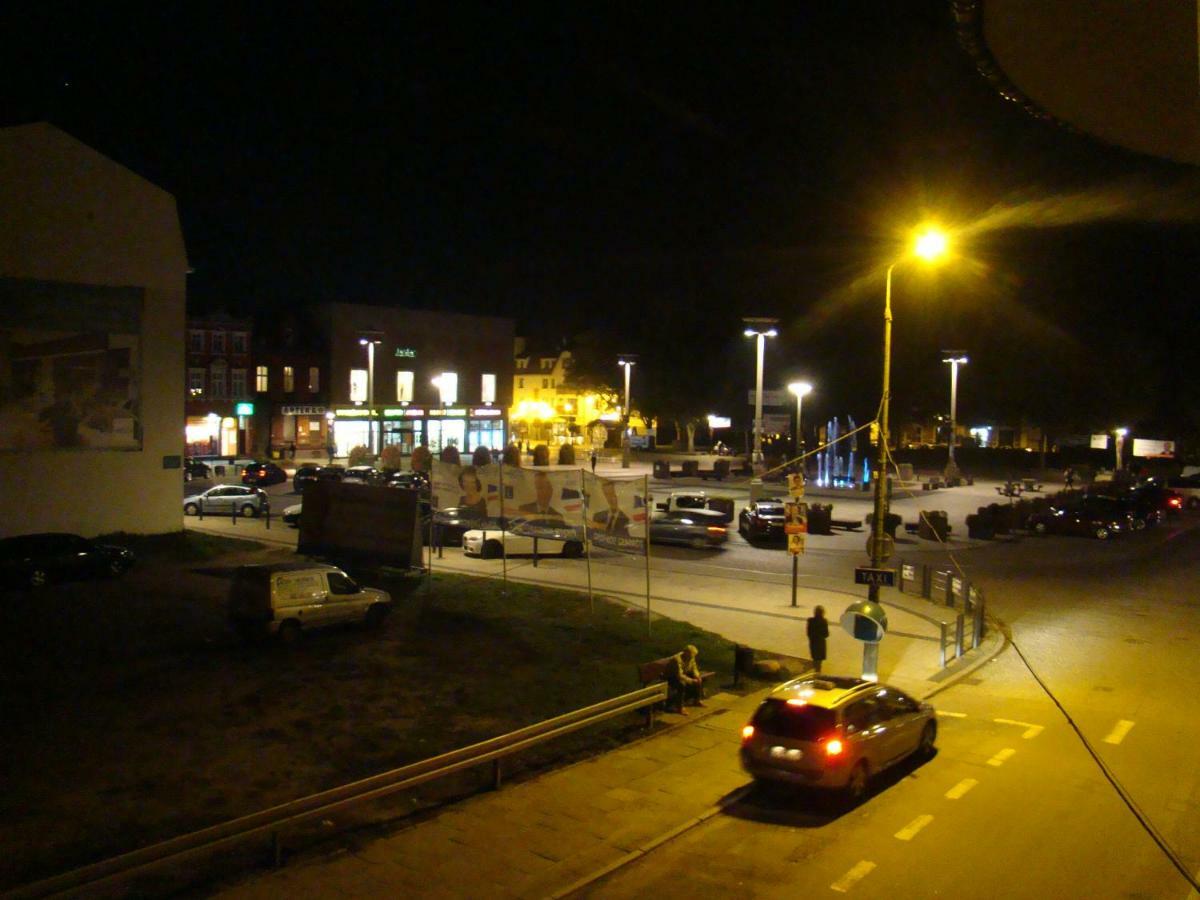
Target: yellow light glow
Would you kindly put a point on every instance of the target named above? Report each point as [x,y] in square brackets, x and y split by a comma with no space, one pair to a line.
[532,410]
[930,244]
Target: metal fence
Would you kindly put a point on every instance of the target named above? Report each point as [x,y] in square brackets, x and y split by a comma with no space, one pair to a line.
[945,587]
[272,823]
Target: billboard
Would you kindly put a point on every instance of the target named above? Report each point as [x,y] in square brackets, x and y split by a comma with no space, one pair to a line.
[616,513]
[1153,449]
[541,502]
[1099,442]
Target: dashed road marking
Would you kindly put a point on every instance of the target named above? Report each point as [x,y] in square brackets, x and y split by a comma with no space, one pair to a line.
[861,870]
[961,788]
[1002,757]
[951,715]
[909,831]
[1119,731]
[1031,730]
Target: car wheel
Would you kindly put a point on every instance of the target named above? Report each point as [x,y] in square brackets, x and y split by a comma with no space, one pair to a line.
[1040,528]
[375,616]
[572,549]
[250,511]
[1102,533]
[38,578]
[491,550]
[741,528]
[928,737]
[289,632]
[190,509]
[857,784]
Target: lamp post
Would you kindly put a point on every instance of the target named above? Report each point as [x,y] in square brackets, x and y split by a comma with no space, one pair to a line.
[957,358]
[1118,440]
[369,339]
[627,362]
[800,389]
[760,329]
[929,246]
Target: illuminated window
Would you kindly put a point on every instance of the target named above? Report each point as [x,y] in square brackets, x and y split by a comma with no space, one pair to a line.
[520,384]
[237,382]
[260,378]
[404,387]
[447,385]
[238,342]
[289,379]
[487,389]
[314,379]
[218,342]
[358,385]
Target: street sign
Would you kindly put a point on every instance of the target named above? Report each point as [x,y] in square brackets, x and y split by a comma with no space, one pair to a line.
[796,484]
[889,545]
[878,577]
[770,398]
[796,543]
[865,621]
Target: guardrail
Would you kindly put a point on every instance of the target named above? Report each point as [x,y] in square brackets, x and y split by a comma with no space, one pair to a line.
[119,870]
[944,586]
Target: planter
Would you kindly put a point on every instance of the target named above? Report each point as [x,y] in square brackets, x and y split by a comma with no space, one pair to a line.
[934,525]
[820,518]
[981,526]
[662,468]
[721,469]
[691,468]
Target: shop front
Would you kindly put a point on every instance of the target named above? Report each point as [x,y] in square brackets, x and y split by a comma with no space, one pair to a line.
[410,427]
[214,434]
[300,430]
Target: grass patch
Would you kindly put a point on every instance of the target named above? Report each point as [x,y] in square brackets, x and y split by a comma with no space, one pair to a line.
[178,546]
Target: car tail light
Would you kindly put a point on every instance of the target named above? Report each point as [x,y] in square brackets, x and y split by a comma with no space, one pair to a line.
[833,748]
[747,732]
[713,529]
[1176,502]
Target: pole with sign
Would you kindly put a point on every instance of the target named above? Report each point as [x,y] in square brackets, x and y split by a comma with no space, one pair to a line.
[795,526]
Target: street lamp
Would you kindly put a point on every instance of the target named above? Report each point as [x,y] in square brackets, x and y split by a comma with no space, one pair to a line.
[800,389]
[1118,439]
[369,339]
[930,244]
[627,362]
[955,360]
[760,329]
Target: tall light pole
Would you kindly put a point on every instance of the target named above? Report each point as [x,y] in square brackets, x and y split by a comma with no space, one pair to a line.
[369,339]
[1118,440]
[800,389]
[627,361]
[929,246]
[760,329]
[957,358]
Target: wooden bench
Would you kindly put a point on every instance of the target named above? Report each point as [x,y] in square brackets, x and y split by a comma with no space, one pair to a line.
[650,672]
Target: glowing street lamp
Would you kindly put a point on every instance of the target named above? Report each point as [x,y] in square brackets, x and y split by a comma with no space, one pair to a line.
[930,245]
[1118,440]
[956,359]
[759,329]
[369,340]
[800,389]
[627,362]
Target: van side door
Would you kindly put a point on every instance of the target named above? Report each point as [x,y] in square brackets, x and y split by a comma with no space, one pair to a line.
[346,600]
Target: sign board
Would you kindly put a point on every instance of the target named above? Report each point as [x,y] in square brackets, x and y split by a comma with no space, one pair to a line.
[1099,441]
[770,398]
[289,410]
[773,423]
[796,544]
[719,422]
[795,519]
[245,409]
[1153,449]
[877,577]
[865,621]
[796,484]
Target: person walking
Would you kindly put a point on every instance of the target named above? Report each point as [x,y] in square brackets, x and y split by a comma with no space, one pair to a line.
[1069,477]
[818,634]
[593,462]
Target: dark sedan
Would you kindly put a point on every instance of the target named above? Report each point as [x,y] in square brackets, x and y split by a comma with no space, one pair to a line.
[33,560]
[306,475]
[1098,517]
[451,523]
[762,519]
[699,528]
[263,473]
[194,468]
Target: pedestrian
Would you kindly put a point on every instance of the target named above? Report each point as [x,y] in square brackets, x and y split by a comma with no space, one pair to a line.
[593,462]
[818,633]
[1069,477]
[683,675]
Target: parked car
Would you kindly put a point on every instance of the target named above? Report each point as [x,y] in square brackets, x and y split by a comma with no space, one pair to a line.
[451,523]
[288,598]
[263,473]
[1091,516]
[224,499]
[34,560]
[697,528]
[195,468]
[1188,486]
[835,733]
[1165,500]
[291,514]
[518,540]
[414,481]
[363,475]
[306,475]
[761,519]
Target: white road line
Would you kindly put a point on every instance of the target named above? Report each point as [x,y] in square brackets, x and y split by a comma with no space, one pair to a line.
[1001,758]
[909,831]
[861,870]
[1031,730]
[951,715]
[1119,731]
[961,788]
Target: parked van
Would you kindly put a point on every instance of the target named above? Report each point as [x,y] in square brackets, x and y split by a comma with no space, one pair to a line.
[286,598]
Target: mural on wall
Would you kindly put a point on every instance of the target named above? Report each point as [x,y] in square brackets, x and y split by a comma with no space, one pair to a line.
[70,372]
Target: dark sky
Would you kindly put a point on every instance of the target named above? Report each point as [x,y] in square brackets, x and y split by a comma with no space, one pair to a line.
[649,173]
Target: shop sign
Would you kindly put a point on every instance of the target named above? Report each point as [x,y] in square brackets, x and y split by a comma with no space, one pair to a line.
[351,413]
[484,411]
[451,411]
[293,410]
[406,353]
[244,409]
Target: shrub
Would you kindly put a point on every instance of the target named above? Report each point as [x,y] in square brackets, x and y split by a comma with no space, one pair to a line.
[566,455]
[512,456]
[390,457]
[450,455]
[481,456]
[422,459]
[541,455]
[359,456]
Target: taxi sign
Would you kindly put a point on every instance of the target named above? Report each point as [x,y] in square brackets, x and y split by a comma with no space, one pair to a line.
[877,577]
[865,621]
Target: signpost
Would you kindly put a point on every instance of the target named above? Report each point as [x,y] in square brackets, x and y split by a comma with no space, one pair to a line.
[795,526]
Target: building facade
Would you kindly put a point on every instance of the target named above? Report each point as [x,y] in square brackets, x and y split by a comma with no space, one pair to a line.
[548,406]
[290,381]
[218,399]
[93,276]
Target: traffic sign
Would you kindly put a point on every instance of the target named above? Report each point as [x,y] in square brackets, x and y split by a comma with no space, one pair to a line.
[889,545]
[877,577]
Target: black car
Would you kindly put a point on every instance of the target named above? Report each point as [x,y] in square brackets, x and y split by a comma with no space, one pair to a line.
[33,560]
[762,519]
[306,475]
[1161,499]
[194,468]
[363,475]
[451,523]
[1093,516]
[413,481]
[263,473]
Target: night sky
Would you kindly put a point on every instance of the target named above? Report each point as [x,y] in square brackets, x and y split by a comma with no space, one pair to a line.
[647,174]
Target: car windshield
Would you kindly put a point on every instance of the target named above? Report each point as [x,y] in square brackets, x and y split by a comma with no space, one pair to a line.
[774,510]
[799,722]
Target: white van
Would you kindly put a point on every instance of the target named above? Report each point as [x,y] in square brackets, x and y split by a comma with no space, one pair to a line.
[286,598]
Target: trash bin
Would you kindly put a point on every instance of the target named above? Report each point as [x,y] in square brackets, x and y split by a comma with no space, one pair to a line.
[662,468]
[820,518]
[691,468]
[934,525]
[743,660]
[721,469]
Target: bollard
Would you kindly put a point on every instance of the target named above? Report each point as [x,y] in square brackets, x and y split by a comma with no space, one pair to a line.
[235,513]
[926,581]
[977,630]
[942,647]
[958,636]
[949,588]
[201,505]
[496,774]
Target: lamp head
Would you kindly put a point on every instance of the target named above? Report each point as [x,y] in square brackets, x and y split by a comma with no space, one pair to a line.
[930,244]
[1121,432]
[959,360]
[800,388]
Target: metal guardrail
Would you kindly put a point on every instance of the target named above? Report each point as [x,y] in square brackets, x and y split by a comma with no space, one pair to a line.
[944,586]
[118,870]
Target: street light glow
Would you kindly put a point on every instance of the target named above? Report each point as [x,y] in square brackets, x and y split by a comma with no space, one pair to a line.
[930,244]
[1121,432]
[800,388]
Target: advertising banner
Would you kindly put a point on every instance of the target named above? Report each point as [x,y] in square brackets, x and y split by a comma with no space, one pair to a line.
[1099,442]
[544,502]
[1153,449]
[616,514]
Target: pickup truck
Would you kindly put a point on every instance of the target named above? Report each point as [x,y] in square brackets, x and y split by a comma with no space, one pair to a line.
[686,500]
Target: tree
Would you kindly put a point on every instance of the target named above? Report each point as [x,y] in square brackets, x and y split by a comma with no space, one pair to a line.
[450,455]
[422,459]
[481,456]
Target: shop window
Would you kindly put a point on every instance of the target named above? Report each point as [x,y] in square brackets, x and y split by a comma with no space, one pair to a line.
[289,379]
[238,342]
[314,379]
[404,387]
[260,378]
[237,382]
[218,342]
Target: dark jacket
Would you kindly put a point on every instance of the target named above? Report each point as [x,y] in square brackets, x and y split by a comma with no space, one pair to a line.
[818,633]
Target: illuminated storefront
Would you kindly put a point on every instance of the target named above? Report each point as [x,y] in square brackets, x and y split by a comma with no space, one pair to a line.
[409,427]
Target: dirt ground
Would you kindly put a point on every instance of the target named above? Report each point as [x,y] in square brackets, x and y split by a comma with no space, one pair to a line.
[133,713]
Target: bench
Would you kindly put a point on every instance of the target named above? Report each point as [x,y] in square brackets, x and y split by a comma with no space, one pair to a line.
[650,672]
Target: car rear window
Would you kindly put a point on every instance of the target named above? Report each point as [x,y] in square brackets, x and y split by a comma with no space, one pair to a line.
[801,723]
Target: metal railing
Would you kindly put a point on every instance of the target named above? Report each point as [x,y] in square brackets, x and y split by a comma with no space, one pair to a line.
[272,822]
[949,589]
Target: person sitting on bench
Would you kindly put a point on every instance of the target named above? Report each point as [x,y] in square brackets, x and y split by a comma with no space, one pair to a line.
[683,674]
